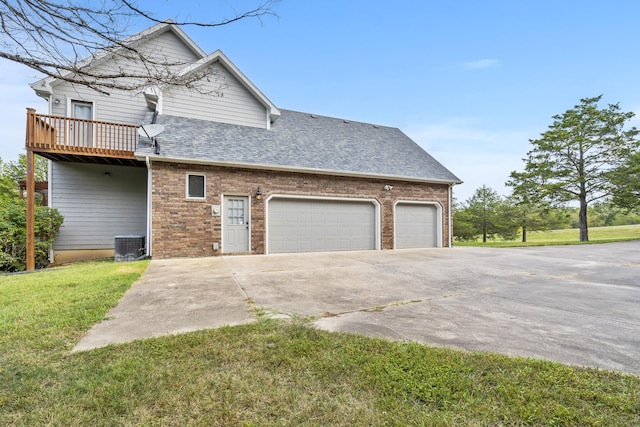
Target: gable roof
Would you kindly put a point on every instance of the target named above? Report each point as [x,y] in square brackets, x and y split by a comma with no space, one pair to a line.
[42,87]
[298,142]
[221,58]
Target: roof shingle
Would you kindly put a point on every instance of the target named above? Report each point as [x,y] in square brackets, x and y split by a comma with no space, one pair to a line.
[299,141]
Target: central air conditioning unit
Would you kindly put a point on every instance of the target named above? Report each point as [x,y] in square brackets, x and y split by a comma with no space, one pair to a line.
[130,248]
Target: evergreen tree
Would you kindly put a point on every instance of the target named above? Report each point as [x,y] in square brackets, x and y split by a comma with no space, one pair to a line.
[575,158]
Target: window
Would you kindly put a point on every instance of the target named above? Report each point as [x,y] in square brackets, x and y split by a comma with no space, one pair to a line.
[82,110]
[235,212]
[195,186]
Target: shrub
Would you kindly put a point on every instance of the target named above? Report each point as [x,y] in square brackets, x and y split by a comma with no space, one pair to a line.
[13,241]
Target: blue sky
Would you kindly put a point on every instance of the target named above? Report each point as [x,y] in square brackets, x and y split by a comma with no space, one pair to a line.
[471,82]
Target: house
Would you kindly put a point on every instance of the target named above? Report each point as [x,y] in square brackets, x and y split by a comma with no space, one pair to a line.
[219,169]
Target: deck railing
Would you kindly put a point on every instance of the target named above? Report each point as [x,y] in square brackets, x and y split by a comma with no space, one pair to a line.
[56,134]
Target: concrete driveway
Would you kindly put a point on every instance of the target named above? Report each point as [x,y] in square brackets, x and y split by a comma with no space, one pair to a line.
[572,304]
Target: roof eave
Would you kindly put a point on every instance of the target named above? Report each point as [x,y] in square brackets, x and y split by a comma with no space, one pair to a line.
[315,171]
[100,56]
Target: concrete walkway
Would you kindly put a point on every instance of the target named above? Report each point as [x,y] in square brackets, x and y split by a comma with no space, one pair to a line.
[573,304]
[173,296]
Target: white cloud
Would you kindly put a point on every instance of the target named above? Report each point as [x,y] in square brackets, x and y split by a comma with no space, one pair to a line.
[476,154]
[482,64]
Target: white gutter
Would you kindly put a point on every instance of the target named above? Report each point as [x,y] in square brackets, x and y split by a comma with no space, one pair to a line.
[298,169]
[52,257]
[450,202]
[149,207]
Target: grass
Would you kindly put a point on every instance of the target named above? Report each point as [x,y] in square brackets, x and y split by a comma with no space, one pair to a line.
[267,373]
[569,236]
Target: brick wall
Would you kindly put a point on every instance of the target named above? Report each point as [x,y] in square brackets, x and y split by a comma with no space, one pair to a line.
[185,228]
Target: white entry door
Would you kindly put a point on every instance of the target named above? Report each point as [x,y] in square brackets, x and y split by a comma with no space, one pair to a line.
[81,130]
[236,224]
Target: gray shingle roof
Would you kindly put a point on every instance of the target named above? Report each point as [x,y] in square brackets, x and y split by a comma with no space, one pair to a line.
[299,141]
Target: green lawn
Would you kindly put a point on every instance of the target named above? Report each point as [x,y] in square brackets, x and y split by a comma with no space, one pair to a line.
[272,372]
[566,237]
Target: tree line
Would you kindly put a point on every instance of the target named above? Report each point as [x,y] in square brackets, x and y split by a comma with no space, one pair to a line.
[13,217]
[487,216]
[588,157]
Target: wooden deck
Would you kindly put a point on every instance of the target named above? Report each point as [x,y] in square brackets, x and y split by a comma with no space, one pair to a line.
[78,140]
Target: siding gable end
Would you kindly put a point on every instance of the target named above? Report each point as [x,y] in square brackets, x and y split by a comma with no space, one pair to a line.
[162,43]
[220,97]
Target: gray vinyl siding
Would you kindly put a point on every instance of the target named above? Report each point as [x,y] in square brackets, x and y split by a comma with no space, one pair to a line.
[122,106]
[97,207]
[169,45]
[119,107]
[236,105]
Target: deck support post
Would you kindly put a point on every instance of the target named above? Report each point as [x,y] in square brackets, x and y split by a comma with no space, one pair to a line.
[30,183]
[31,256]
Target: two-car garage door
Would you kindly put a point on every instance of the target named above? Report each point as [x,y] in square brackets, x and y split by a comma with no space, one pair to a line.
[319,225]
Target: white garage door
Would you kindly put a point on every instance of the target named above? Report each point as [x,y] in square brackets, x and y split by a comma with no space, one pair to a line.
[311,225]
[416,226]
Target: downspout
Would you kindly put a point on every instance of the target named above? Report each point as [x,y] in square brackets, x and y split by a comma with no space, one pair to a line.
[52,258]
[149,238]
[450,222]
[149,207]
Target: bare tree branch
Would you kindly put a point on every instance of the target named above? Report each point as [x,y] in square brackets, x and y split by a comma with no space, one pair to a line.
[64,39]
[263,9]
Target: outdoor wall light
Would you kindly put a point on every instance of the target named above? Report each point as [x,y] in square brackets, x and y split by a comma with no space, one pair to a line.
[56,101]
[258,194]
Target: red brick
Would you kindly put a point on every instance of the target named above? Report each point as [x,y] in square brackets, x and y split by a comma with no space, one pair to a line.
[185,228]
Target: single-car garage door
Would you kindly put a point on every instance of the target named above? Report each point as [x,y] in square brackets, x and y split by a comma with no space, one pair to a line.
[316,225]
[416,225]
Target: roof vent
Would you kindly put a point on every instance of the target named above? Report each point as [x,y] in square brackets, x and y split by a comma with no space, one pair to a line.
[346,121]
[376,126]
[313,116]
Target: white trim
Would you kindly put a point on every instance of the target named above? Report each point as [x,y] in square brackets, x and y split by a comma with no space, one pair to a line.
[223,214]
[376,205]
[50,201]
[68,132]
[450,215]
[105,54]
[272,111]
[180,34]
[330,172]
[438,206]
[186,185]
[149,238]
[81,101]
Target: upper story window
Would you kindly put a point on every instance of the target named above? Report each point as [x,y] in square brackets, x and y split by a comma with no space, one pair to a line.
[196,186]
[82,110]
